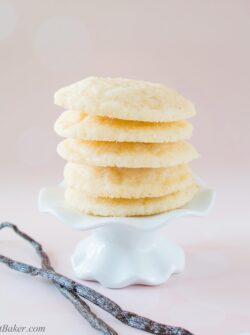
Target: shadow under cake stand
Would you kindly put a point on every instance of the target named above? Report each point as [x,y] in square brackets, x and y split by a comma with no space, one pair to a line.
[123,251]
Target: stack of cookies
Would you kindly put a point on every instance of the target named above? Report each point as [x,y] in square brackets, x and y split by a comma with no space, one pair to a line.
[126,147]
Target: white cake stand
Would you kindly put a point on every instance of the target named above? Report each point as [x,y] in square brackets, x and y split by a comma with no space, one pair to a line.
[124,251]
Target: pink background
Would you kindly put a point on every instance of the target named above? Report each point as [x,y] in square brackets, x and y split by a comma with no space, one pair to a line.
[200,48]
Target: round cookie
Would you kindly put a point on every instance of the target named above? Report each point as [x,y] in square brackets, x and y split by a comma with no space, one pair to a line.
[77,199]
[114,182]
[126,154]
[125,99]
[79,125]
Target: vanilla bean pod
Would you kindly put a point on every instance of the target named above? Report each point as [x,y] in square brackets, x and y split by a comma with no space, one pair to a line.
[86,312]
[78,303]
[130,319]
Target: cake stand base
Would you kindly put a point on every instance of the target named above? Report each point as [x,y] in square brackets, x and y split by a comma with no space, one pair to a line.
[120,255]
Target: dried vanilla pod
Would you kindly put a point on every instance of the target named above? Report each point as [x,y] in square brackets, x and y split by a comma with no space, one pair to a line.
[80,305]
[73,291]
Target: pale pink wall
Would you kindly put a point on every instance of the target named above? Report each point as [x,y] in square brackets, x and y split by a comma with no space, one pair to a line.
[200,48]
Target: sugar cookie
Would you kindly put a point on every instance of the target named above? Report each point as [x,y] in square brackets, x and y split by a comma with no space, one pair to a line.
[130,155]
[78,200]
[125,99]
[114,182]
[79,125]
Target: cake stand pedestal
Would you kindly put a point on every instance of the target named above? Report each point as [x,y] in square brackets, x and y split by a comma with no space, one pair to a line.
[124,251]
